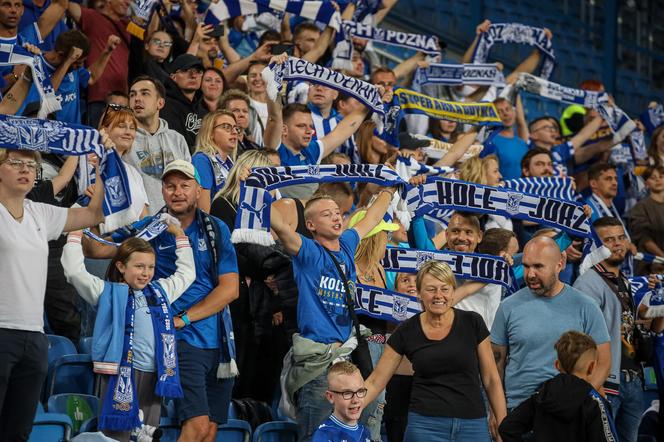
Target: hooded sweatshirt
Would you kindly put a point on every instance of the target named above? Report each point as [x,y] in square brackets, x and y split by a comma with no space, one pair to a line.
[151,153]
[182,115]
[565,408]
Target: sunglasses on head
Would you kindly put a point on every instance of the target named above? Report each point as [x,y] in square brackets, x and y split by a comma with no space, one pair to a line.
[118,107]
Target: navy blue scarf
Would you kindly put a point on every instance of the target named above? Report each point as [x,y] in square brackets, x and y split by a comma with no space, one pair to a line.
[120,405]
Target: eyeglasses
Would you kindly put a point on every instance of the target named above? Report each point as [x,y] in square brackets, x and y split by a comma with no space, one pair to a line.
[164,43]
[347,394]
[19,164]
[228,128]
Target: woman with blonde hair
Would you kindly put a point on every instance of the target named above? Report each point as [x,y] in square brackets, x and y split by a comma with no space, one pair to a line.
[450,351]
[216,147]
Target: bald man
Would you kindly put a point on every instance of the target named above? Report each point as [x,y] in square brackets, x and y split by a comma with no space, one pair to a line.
[528,324]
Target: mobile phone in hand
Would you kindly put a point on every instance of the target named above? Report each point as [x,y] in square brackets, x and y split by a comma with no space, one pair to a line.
[281,48]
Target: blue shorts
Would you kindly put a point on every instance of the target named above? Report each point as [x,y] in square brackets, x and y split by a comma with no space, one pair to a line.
[204,394]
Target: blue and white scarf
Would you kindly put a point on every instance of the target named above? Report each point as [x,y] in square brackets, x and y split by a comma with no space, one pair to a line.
[12,55]
[148,233]
[416,42]
[119,409]
[252,223]
[647,257]
[516,33]
[141,13]
[391,122]
[621,125]
[470,266]
[443,193]
[408,167]
[298,69]
[385,304]
[460,74]
[482,114]
[653,117]
[550,187]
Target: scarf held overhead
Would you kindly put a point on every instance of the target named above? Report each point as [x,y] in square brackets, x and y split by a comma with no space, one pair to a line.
[417,42]
[460,74]
[516,33]
[252,223]
[385,304]
[443,193]
[12,55]
[482,114]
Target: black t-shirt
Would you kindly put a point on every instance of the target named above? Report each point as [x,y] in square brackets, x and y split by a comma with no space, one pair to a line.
[446,382]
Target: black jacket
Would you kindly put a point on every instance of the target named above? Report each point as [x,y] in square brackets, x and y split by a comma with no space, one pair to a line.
[563,409]
[182,115]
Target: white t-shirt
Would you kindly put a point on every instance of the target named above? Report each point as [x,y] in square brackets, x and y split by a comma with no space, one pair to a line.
[24,263]
[484,301]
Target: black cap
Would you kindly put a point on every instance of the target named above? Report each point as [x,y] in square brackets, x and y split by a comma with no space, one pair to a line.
[407,141]
[184,62]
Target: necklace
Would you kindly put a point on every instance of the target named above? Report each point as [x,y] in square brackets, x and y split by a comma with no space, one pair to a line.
[366,275]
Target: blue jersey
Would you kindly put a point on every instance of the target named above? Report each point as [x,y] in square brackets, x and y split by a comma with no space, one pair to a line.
[509,151]
[310,155]
[322,125]
[322,313]
[69,93]
[333,430]
[203,333]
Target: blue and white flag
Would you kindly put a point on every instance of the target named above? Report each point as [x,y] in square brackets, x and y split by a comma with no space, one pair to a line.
[516,33]
[470,266]
[12,55]
[460,74]
[416,42]
[444,193]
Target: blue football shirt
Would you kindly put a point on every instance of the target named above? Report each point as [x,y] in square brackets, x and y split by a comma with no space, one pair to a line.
[333,430]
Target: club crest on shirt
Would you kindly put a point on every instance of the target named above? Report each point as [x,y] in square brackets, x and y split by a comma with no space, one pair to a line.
[202,246]
[513,202]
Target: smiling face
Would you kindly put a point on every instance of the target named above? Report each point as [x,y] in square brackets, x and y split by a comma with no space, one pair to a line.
[180,193]
[17,178]
[138,271]
[123,135]
[493,176]
[212,85]
[346,410]
[406,283]
[462,235]
[323,219]
[436,296]
[255,82]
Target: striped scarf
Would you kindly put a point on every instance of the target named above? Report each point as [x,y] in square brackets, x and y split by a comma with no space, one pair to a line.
[460,74]
[516,33]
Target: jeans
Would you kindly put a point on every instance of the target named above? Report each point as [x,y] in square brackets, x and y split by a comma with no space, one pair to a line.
[445,429]
[628,408]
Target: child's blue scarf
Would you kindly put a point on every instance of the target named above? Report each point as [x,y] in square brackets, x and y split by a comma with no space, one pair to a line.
[119,410]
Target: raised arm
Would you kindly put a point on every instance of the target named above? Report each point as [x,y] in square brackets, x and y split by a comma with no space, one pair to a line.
[74,10]
[239,67]
[290,239]
[408,66]
[65,175]
[458,149]
[375,212]
[521,124]
[479,30]
[51,16]
[83,217]
[230,54]
[89,287]
[382,12]
[274,126]
[321,46]
[346,127]
[97,68]
[74,54]
[14,98]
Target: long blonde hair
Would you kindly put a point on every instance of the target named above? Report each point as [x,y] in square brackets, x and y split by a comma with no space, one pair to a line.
[204,142]
[472,170]
[249,159]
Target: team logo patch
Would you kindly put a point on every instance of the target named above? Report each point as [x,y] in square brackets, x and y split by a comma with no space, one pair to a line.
[168,342]
[513,202]
[115,190]
[400,307]
[423,257]
[124,394]
[313,170]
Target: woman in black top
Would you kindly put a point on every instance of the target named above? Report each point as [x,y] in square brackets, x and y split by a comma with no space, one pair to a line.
[449,350]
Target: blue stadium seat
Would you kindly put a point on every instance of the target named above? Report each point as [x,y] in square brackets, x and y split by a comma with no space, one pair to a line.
[277,431]
[85,345]
[59,346]
[51,427]
[234,430]
[71,374]
[79,407]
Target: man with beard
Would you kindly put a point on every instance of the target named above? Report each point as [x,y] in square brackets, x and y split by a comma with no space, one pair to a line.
[610,288]
[200,313]
[529,322]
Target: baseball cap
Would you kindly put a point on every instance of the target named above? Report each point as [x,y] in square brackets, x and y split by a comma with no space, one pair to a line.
[184,167]
[385,224]
[407,141]
[185,61]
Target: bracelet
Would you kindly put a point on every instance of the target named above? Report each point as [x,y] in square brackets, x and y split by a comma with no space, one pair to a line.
[185,319]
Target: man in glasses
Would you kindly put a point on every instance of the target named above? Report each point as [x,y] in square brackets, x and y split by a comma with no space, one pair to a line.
[346,392]
[184,110]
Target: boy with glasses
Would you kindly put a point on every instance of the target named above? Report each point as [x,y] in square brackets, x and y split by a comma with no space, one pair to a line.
[346,392]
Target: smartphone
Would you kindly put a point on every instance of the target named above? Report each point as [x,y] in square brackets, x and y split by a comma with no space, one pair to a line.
[281,48]
[216,32]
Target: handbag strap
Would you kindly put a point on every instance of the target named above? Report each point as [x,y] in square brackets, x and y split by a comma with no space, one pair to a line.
[349,298]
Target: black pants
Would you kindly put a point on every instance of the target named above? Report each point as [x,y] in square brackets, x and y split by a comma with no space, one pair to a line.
[397,398]
[23,368]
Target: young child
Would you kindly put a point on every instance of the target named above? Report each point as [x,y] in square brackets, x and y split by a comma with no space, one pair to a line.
[566,407]
[346,392]
[133,342]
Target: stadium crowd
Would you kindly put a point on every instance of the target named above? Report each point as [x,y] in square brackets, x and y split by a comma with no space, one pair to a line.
[236,213]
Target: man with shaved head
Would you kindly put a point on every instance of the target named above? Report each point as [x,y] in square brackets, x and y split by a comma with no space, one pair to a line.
[528,324]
